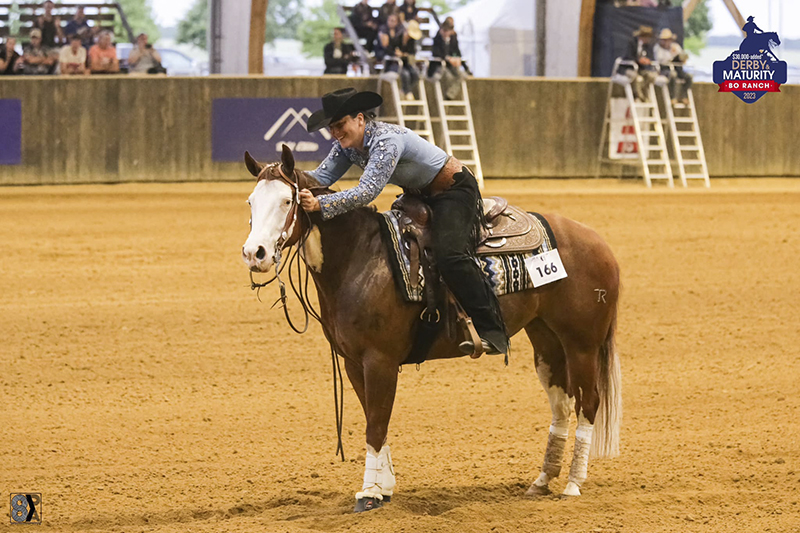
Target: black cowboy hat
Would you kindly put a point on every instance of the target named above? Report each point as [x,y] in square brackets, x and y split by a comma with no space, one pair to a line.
[338,104]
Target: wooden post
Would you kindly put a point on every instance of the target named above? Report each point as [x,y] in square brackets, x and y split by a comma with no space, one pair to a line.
[258,26]
[688,8]
[735,13]
[586,38]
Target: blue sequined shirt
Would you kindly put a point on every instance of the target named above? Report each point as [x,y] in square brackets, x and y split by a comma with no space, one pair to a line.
[394,155]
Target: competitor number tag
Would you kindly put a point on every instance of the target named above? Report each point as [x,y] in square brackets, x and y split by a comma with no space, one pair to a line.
[545,268]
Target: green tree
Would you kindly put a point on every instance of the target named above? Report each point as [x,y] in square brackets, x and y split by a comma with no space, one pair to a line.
[283,19]
[315,30]
[697,28]
[140,17]
[193,28]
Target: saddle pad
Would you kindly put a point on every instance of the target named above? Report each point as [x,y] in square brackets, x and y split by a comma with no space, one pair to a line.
[506,272]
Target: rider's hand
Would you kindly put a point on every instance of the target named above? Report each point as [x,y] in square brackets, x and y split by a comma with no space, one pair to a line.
[308,201]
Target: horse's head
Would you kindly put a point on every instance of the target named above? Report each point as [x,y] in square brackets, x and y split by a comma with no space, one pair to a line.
[275,215]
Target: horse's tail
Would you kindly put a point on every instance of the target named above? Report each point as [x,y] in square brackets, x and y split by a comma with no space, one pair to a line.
[605,442]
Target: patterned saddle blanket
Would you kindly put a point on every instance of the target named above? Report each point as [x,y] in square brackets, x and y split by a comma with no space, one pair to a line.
[506,271]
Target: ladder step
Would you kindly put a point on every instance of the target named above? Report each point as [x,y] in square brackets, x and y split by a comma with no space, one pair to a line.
[462,147]
[687,134]
[692,162]
[660,177]
[694,148]
[458,118]
[454,103]
[656,162]
[684,119]
[649,119]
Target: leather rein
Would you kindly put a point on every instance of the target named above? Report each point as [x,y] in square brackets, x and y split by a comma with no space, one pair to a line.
[291,235]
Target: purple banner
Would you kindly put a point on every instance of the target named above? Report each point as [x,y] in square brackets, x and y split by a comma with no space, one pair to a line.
[10,132]
[262,126]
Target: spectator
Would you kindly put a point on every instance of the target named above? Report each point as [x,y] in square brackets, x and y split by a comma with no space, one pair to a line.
[364,23]
[410,75]
[409,10]
[389,8]
[9,58]
[143,59]
[38,59]
[392,49]
[103,56]
[640,49]
[72,58]
[80,26]
[446,49]
[667,52]
[338,54]
[50,26]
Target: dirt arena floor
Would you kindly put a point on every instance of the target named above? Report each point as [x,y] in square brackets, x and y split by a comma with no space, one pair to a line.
[145,388]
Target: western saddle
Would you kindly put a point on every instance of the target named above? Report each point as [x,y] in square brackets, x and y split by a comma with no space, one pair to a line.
[508,230]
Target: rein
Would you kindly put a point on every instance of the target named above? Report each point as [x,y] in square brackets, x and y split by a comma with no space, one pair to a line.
[301,290]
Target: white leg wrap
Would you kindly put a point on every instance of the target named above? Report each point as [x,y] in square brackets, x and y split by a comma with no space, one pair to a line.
[580,457]
[379,478]
[556,444]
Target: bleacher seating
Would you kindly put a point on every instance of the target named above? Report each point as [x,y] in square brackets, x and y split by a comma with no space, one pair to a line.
[102,15]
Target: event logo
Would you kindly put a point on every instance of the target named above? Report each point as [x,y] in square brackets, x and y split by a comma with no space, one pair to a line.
[263,126]
[753,70]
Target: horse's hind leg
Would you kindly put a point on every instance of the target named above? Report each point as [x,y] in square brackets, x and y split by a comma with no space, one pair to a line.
[551,369]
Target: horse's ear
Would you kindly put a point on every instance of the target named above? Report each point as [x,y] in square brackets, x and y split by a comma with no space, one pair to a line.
[252,165]
[287,161]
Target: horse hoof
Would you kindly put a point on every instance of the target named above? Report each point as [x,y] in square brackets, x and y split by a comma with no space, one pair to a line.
[367,504]
[535,491]
[571,490]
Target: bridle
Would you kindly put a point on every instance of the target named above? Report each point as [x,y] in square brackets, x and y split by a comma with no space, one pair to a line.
[295,233]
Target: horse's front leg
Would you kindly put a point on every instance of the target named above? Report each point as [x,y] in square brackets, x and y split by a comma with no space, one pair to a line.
[379,384]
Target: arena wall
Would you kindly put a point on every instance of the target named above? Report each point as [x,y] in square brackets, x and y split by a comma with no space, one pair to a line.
[120,129]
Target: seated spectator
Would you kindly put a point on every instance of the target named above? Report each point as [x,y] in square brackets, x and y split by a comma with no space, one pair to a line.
[392,49]
[50,26]
[446,49]
[365,24]
[38,59]
[80,26]
[667,52]
[9,58]
[640,49]
[338,54]
[144,59]
[72,58]
[389,8]
[409,10]
[103,56]
[410,74]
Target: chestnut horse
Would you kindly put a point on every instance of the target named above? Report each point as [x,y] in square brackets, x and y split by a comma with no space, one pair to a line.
[570,322]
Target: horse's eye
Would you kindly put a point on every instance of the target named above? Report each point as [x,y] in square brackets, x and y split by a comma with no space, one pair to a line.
[287,202]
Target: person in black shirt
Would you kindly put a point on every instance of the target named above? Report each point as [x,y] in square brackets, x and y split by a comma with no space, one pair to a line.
[9,58]
[50,26]
[338,54]
[389,8]
[409,10]
[446,49]
[640,49]
[364,23]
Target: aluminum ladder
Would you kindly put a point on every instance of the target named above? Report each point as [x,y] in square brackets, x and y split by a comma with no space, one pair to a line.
[459,138]
[685,134]
[648,127]
[415,112]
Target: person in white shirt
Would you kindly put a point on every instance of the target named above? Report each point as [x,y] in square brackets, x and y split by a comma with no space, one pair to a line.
[72,58]
[667,52]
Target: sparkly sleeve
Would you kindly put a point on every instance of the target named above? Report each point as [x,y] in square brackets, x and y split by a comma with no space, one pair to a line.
[333,167]
[382,162]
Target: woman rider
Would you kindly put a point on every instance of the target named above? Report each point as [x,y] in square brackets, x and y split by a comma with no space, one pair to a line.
[392,154]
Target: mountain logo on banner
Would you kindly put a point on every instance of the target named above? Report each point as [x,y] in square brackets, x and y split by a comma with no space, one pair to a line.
[753,70]
[298,118]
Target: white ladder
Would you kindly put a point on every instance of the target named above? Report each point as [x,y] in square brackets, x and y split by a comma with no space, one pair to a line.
[414,112]
[459,140]
[686,116]
[641,124]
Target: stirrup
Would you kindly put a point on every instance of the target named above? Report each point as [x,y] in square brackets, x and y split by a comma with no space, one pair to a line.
[468,347]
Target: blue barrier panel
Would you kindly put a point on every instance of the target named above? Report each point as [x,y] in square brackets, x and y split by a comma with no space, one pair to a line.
[10,132]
